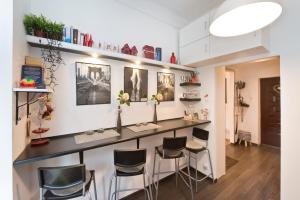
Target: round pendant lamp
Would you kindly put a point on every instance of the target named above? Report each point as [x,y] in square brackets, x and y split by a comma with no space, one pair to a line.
[239,17]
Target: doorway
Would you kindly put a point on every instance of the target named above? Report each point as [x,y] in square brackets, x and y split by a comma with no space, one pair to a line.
[270,111]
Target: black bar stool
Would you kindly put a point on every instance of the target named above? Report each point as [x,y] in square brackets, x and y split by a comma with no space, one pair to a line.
[130,163]
[198,144]
[172,148]
[60,183]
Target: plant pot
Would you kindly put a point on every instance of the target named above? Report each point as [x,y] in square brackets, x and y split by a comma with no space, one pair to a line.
[119,121]
[155,115]
[39,34]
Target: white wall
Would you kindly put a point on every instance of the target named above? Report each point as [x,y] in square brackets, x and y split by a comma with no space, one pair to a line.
[6,35]
[285,42]
[110,22]
[229,134]
[251,73]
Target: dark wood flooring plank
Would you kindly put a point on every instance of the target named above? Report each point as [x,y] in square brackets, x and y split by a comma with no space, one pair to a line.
[256,176]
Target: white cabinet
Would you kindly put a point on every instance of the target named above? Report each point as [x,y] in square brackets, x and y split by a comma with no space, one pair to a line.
[225,46]
[195,51]
[197,47]
[196,30]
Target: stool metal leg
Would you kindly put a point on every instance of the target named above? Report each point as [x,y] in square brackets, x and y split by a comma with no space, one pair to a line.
[153,171]
[176,172]
[110,186]
[210,164]
[150,187]
[157,180]
[196,182]
[147,196]
[116,187]
[189,172]
[95,188]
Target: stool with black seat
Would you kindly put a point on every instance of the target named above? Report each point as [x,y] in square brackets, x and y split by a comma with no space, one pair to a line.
[130,163]
[199,143]
[67,182]
[172,148]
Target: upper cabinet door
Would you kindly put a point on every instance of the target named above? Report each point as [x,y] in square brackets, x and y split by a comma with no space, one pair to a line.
[196,30]
[195,52]
[225,46]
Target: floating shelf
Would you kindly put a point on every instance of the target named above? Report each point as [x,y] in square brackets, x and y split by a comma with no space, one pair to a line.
[190,99]
[190,84]
[27,104]
[32,90]
[96,52]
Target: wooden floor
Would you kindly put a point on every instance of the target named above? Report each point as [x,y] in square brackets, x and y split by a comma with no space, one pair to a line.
[255,176]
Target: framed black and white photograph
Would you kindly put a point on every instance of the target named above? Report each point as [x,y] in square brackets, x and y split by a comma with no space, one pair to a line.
[166,85]
[93,84]
[136,84]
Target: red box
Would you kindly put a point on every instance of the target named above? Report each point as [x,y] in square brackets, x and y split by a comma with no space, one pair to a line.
[148,51]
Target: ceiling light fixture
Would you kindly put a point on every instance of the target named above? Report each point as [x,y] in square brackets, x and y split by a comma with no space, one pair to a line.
[239,17]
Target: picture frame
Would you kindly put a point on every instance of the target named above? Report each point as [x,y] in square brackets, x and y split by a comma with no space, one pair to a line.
[166,85]
[34,72]
[136,84]
[93,83]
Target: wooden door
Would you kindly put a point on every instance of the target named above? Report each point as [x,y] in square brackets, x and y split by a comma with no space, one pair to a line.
[270,111]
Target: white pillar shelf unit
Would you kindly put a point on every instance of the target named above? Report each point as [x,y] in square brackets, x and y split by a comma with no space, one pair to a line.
[28,91]
[91,51]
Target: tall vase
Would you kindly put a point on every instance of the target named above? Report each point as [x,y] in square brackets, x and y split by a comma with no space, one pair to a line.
[119,121]
[155,115]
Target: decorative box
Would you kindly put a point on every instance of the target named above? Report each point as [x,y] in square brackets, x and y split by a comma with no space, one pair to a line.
[148,51]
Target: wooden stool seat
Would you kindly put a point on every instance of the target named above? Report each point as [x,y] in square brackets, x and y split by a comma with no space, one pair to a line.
[244,136]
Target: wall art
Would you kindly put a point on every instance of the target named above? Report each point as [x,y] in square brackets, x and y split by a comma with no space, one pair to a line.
[93,84]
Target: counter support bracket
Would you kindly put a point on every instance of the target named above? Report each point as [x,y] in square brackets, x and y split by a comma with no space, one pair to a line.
[81,157]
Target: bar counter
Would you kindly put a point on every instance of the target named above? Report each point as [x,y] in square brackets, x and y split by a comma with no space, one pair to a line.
[64,145]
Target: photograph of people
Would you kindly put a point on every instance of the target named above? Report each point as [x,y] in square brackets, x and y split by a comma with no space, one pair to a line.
[166,85]
[136,84]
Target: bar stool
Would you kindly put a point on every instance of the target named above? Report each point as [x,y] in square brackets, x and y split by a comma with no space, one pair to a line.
[130,163]
[172,148]
[66,182]
[198,144]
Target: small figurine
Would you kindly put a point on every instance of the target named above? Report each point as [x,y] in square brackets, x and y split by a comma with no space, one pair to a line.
[126,49]
[134,51]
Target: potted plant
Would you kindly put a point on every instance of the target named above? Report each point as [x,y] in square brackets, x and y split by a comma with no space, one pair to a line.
[156,99]
[123,98]
[39,26]
[28,22]
[54,30]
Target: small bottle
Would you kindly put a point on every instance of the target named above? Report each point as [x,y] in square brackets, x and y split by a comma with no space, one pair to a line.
[173,58]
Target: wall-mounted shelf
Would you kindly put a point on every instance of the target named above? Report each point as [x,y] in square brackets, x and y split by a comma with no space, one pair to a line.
[190,84]
[28,91]
[190,99]
[84,50]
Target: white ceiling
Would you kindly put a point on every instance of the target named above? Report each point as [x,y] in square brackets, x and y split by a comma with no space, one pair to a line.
[177,13]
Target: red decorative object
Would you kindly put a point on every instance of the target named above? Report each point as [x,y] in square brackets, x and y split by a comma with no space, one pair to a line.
[86,40]
[134,51]
[148,51]
[40,130]
[39,142]
[126,49]
[27,82]
[173,58]
[90,42]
